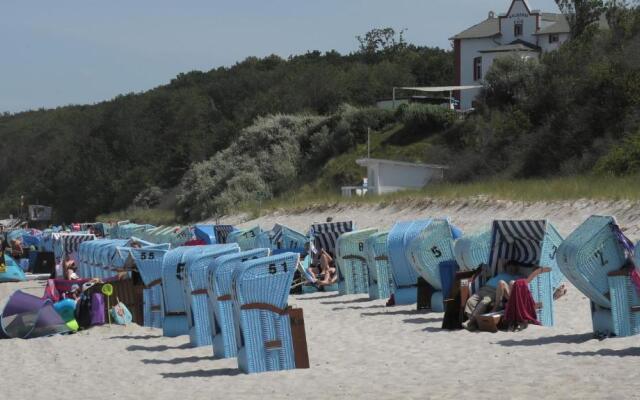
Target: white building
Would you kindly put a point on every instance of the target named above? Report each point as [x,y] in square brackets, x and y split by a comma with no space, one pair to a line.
[386,176]
[521,31]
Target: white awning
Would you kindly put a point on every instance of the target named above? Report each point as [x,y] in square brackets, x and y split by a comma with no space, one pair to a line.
[440,88]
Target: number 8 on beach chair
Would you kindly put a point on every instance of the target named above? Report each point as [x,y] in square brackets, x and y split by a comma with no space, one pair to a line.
[595,259]
[351,262]
[380,278]
[263,328]
[220,274]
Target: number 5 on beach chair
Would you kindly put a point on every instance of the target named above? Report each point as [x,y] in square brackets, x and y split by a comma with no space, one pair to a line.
[220,273]
[263,328]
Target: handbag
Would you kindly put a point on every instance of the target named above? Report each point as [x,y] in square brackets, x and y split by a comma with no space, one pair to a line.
[121,314]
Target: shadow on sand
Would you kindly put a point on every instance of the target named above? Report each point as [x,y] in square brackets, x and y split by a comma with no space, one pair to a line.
[177,360]
[157,348]
[136,337]
[631,352]
[361,300]
[421,320]
[560,339]
[357,308]
[330,296]
[201,373]
[397,312]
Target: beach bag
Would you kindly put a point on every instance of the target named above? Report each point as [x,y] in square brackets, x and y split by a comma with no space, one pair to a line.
[120,314]
[97,309]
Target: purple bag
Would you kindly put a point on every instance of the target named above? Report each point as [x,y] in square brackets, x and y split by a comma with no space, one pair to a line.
[97,309]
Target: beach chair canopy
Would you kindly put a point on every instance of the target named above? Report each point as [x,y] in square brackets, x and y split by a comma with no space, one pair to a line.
[325,235]
[206,233]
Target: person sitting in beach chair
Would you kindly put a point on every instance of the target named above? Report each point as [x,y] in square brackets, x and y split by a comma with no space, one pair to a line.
[492,296]
[324,272]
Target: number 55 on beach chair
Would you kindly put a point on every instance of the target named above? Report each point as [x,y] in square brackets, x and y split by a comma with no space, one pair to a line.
[263,326]
[149,265]
[220,274]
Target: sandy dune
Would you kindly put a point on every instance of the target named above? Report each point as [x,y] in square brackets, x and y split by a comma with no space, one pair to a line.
[358,348]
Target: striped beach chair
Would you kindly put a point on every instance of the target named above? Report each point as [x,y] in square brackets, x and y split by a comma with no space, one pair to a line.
[325,236]
[195,282]
[149,265]
[223,326]
[430,254]
[595,259]
[380,278]
[222,232]
[260,291]
[531,242]
[352,263]
[404,275]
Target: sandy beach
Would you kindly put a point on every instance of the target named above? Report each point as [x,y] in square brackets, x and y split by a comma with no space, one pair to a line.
[357,348]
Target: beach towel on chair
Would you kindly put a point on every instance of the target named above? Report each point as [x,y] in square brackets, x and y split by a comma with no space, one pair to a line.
[520,308]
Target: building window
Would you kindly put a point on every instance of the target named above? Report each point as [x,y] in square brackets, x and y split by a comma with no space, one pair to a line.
[517,29]
[554,38]
[477,68]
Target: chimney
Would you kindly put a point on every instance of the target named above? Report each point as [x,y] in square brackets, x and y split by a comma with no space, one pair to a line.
[492,15]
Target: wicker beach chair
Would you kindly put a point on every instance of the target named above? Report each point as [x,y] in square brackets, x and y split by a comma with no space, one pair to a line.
[473,250]
[195,283]
[261,290]
[175,314]
[594,258]
[353,274]
[404,275]
[325,236]
[430,253]
[149,265]
[223,325]
[529,242]
[381,283]
[247,239]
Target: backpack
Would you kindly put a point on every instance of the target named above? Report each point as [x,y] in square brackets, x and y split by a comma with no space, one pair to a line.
[83,310]
[121,314]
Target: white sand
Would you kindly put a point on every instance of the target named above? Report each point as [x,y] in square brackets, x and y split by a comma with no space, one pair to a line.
[358,348]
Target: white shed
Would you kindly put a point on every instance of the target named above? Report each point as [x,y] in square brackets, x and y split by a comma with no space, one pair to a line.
[386,176]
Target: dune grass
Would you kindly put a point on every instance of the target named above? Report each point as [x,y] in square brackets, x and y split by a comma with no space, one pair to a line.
[552,189]
[154,216]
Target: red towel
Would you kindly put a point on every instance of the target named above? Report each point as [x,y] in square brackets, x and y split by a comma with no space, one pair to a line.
[520,307]
[194,242]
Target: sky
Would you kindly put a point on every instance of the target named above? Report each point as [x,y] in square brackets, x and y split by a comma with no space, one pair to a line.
[55,53]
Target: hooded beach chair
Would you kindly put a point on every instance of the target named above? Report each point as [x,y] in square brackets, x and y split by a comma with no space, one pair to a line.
[222,232]
[404,275]
[282,237]
[473,250]
[223,326]
[175,314]
[206,233]
[528,242]
[261,290]
[595,259]
[380,278]
[195,283]
[430,254]
[350,259]
[325,236]
[149,265]
[247,239]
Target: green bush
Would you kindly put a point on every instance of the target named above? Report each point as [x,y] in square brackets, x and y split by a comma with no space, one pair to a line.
[427,118]
[623,159]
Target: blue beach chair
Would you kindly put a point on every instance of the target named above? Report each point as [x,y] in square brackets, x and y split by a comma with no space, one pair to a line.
[404,275]
[594,258]
[247,239]
[261,289]
[473,250]
[175,314]
[195,282]
[430,254]
[149,265]
[380,279]
[352,263]
[223,326]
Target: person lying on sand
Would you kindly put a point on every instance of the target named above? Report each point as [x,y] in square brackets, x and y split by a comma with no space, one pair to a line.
[324,272]
[492,296]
